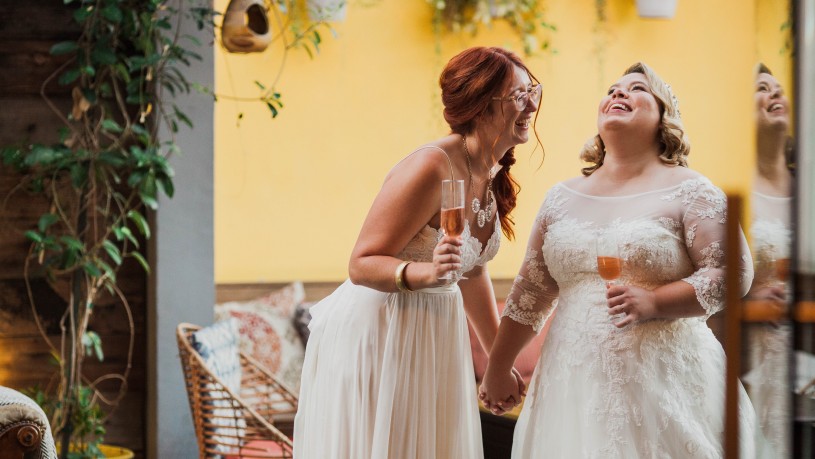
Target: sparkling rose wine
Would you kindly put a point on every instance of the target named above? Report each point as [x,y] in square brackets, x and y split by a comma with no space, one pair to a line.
[610,268]
[782,269]
[452,221]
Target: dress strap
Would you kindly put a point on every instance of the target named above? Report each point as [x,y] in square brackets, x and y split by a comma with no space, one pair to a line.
[450,162]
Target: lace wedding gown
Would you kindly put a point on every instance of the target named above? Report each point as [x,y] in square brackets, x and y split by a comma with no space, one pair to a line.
[769,345]
[390,375]
[654,389]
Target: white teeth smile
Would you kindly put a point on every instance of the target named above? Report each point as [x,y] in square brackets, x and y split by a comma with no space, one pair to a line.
[522,123]
[621,107]
[775,107]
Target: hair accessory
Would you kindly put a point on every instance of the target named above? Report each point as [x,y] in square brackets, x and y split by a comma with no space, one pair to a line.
[674,100]
[399,275]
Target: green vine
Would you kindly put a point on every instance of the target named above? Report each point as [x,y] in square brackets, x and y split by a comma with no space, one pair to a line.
[108,166]
[526,17]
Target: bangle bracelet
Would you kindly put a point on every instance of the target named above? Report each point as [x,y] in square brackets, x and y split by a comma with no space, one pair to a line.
[400,277]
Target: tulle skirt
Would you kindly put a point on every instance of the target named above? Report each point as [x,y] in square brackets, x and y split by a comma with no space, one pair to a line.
[388,376]
[652,390]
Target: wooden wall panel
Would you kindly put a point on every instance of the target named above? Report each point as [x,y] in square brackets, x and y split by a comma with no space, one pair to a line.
[28,29]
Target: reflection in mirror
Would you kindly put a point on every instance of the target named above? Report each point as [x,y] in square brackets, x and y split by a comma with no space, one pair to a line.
[768,341]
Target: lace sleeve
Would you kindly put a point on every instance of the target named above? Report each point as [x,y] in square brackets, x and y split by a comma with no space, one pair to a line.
[531,299]
[705,208]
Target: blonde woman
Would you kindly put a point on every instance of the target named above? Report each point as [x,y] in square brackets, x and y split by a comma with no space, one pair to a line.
[629,369]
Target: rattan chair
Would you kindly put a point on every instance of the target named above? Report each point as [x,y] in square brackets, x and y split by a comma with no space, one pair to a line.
[253,417]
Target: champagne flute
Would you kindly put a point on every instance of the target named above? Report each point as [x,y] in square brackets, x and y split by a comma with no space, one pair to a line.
[452,213]
[609,263]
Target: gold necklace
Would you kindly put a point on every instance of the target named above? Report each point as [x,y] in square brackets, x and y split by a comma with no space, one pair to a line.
[482,215]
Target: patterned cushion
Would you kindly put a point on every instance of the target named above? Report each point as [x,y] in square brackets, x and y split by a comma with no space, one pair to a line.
[267,333]
[218,347]
[302,317]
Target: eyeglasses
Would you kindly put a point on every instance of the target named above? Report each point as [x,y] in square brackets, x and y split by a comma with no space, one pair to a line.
[522,99]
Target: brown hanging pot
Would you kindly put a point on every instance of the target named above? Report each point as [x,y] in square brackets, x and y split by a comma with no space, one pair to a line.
[246,27]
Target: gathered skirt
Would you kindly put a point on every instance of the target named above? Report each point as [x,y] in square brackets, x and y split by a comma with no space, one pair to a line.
[390,376]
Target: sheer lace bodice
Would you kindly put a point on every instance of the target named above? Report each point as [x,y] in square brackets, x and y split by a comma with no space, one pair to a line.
[771,234]
[664,235]
[473,253]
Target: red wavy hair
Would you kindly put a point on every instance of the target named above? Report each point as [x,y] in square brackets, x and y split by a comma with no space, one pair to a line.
[468,84]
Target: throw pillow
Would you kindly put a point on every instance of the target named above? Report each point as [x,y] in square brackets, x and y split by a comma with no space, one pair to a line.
[266,331]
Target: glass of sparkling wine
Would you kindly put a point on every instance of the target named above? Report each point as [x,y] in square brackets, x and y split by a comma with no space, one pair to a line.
[609,263]
[452,213]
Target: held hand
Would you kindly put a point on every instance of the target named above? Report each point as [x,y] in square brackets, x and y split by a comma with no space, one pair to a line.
[773,293]
[636,303]
[447,256]
[499,392]
[521,384]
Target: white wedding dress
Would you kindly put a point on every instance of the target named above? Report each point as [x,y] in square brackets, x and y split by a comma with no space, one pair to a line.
[390,375]
[654,389]
[769,345]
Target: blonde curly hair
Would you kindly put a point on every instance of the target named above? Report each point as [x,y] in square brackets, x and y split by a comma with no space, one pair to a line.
[672,138]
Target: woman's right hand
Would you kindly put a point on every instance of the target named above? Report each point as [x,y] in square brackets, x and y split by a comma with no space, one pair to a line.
[500,391]
[447,256]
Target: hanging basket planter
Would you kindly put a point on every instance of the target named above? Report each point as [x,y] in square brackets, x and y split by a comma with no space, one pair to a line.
[246,27]
[327,10]
[661,9]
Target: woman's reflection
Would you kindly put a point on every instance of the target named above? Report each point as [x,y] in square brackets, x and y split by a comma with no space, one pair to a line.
[769,343]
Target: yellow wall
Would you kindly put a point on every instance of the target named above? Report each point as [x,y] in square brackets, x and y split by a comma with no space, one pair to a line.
[291,193]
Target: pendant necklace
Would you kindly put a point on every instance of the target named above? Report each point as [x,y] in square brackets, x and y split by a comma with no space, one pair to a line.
[482,215]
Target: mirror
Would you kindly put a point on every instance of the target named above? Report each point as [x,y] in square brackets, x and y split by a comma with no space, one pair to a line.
[767,335]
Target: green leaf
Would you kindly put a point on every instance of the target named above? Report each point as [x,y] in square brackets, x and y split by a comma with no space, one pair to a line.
[111,126]
[82,14]
[103,54]
[129,235]
[79,175]
[47,220]
[93,344]
[113,251]
[112,13]
[91,269]
[69,77]
[166,185]
[33,236]
[141,261]
[64,47]
[149,201]
[73,243]
[141,223]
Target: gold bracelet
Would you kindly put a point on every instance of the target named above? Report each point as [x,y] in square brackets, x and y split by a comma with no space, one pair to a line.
[400,277]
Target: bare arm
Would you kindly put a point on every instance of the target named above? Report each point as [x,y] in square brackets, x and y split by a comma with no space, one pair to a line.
[409,200]
[479,303]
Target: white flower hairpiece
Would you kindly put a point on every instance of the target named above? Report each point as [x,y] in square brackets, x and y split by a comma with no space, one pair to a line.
[674,100]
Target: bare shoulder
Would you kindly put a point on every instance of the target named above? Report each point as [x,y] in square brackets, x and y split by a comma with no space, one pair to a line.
[425,163]
[578,183]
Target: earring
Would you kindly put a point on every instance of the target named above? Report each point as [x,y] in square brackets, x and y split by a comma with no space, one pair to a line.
[246,27]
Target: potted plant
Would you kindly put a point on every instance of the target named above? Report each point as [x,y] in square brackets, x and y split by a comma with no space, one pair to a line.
[108,167]
[526,17]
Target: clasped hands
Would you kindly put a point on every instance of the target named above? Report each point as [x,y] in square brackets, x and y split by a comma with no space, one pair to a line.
[501,390]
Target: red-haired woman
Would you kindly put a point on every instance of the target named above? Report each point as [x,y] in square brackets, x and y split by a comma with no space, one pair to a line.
[388,370]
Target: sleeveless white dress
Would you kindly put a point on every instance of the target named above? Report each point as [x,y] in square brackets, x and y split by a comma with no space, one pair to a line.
[390,375]
[653,389]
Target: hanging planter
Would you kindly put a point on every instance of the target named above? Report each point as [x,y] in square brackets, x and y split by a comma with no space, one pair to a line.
[326,10]
[246,27]
[661,9]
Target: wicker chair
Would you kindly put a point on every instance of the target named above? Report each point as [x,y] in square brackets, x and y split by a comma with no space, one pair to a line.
[254,416]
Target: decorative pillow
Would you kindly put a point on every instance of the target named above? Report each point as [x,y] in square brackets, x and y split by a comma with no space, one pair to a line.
[302,317]
[526,361]
[218,346]
[267,333]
